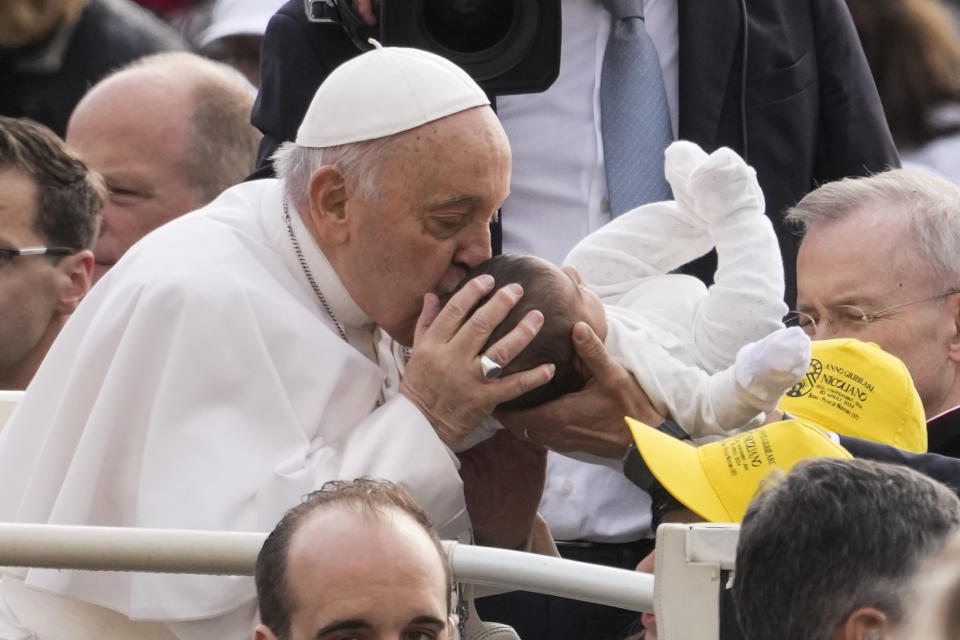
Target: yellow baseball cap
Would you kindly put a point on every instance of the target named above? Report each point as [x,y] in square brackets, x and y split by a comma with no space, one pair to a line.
[717,480]
[858,389]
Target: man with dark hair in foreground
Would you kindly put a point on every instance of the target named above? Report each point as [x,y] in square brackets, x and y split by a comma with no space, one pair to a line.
[828,553]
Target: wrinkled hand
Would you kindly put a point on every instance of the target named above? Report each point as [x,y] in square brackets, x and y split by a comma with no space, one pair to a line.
[503,480]
[590,420]
[444,377]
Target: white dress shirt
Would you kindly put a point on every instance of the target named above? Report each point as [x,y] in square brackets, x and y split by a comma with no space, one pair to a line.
[558,194]
[558,187]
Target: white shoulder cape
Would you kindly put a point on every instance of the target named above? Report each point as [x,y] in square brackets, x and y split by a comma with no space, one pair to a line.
[200,385]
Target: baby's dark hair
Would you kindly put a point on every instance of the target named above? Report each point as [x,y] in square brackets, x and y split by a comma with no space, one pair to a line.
[553,343]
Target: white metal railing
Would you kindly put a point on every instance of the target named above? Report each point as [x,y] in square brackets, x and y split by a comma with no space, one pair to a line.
[690,559]
[234,553]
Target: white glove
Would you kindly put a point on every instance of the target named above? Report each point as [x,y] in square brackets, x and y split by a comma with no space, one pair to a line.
[681,160]
[767,368]
[711,187]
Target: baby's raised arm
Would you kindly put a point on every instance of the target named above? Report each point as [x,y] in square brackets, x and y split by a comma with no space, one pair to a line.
[745,303]
[650,240]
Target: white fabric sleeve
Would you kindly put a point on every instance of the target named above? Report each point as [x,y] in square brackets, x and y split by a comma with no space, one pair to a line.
[745,302]
[704,404]
[650,240]
[701,403]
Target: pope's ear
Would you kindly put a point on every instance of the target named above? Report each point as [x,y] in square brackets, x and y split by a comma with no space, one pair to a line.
[327,204]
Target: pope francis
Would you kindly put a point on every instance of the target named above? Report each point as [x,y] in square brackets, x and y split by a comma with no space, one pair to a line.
[240,356]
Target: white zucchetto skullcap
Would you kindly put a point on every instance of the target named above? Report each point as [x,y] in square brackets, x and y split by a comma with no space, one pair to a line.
[386,91]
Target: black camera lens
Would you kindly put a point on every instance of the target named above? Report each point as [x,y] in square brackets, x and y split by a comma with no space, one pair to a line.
[469,26]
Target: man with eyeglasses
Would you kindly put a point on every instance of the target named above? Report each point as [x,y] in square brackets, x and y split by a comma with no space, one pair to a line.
[49,207]
[880,261]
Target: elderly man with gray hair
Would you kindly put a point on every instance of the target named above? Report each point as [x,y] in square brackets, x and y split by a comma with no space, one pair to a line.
[829,552]
[880,261]
[240,357]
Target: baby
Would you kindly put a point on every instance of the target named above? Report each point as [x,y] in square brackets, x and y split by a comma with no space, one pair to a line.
[714,359]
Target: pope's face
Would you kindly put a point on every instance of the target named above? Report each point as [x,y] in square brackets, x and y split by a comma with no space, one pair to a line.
[430,224]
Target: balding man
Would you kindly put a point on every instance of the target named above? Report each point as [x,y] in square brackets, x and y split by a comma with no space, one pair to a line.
[355,558]
[168,133]
[880,261]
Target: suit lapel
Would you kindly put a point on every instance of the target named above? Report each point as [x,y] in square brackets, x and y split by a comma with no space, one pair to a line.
[708,32]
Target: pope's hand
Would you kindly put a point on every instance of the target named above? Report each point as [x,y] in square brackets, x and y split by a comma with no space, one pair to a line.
[444,377]
[590,420]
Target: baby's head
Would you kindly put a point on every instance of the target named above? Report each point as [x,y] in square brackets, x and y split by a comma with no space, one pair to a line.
[560,296]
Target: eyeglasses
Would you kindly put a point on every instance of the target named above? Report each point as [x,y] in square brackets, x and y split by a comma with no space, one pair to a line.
[847,316]
[7,255]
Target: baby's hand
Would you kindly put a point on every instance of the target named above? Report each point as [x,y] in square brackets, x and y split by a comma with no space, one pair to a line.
[709,187]
[724,184]
[681,160]
[767,368]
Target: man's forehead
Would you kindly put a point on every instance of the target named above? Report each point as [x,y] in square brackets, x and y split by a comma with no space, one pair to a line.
[862,258]
[331,526]
[338,543]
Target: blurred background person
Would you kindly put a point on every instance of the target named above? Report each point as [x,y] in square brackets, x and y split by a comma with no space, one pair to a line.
[167,133]
[51,52]
[913,48]
[49,206]
[235,34]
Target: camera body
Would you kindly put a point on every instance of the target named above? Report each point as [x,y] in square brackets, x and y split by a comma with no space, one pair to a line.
[507,46]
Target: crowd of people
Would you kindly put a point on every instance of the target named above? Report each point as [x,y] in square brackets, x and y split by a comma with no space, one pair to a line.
[261,293]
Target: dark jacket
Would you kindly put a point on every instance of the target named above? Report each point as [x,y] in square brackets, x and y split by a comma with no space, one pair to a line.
[44,81]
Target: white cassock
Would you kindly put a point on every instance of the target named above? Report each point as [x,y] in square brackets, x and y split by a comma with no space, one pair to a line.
[201,385]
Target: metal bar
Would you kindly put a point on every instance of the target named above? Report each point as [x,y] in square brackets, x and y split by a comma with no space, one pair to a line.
[235,553]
